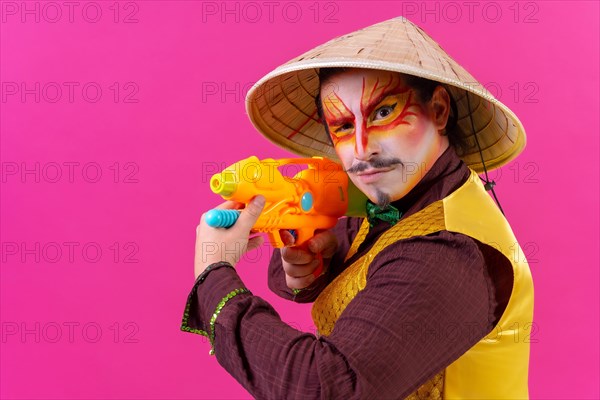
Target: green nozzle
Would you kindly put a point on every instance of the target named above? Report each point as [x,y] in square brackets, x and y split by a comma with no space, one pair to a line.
[223,184]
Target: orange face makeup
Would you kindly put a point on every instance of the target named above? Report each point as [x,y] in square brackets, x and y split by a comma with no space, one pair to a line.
[383,107]
[385,139]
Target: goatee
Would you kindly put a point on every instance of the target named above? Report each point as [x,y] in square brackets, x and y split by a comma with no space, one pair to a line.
[383,199]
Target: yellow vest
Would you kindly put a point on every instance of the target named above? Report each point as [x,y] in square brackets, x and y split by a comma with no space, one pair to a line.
[497,366]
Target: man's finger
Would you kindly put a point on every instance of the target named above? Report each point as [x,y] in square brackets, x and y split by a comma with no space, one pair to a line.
[299,283]
[294,255]
[300,271]
[324,243]
[286,237]
[250,214]
[255,242]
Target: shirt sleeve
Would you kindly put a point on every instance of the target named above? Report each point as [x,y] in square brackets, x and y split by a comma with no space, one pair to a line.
[345,230]
[425,303]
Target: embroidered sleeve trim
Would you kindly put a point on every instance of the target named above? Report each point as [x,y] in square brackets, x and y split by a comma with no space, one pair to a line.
[213,319]
[186,314]
[185,326]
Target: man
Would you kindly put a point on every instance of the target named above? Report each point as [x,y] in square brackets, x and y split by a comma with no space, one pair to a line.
[419,300]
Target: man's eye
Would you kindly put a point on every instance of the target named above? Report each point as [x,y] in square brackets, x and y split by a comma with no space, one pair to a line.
[345,127]
[383,112]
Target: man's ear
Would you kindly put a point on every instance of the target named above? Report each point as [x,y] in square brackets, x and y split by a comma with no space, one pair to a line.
[440,108]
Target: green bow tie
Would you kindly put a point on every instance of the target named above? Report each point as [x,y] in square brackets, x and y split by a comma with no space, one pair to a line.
[390,214]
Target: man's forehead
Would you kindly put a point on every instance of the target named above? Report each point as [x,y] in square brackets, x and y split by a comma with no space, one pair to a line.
[357,81]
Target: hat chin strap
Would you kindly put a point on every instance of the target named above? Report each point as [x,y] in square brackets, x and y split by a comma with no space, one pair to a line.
[489,185]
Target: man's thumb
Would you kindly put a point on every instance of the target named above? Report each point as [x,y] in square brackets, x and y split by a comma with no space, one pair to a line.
[250,214]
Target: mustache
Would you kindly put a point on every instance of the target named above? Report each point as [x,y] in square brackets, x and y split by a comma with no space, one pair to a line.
[375,163]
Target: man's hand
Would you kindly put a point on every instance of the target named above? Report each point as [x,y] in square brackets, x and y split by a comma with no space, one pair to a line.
[219,244]
[300,264]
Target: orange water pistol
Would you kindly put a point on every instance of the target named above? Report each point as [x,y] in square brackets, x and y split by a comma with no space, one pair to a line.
[315,198]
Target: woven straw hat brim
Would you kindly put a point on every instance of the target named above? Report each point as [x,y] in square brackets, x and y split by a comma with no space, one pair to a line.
[282,107]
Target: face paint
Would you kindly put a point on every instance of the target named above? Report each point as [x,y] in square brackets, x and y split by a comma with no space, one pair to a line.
[383,107]
[338,117]
[385,139]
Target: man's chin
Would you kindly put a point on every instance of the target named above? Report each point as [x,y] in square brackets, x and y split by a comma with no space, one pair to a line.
[380,192]
[386,190]
[377,196]
[383,197]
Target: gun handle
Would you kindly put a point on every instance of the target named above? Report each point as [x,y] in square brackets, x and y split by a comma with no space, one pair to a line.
[317,272]
[275,239]
[303,235]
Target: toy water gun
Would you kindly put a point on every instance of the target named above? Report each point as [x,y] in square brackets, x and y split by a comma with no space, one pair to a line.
[314,198]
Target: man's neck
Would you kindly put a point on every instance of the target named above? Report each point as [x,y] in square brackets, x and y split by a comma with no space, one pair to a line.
[446,175]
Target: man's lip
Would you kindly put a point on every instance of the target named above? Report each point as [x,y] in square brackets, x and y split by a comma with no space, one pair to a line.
[372,171]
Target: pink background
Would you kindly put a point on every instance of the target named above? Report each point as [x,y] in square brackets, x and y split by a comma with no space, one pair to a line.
[82,326]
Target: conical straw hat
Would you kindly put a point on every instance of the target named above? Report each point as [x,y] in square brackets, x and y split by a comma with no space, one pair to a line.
[281,105]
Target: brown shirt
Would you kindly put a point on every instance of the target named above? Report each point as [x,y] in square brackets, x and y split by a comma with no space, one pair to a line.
[427,300]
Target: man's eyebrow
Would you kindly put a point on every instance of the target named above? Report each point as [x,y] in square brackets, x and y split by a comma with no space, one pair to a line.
[340,121]
[386,91]
[337,120]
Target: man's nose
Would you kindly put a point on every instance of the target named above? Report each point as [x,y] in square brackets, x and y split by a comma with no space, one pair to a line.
[365,146]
